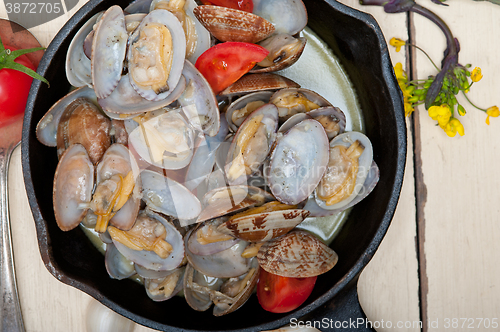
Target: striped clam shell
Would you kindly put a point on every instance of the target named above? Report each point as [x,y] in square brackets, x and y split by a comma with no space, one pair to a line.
[227,24]
[265,226]
[297,254]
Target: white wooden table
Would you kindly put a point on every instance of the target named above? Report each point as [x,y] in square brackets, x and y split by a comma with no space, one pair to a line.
[439,262]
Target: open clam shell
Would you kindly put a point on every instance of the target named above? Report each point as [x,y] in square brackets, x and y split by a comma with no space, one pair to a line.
[228,24]
[298,162]
[364,165]
[332,118]
[296,254]
[224,264]
[297,100]
[117,265]
[166,140]
[251,144]
[208,227]
[124,101]
[368,186]
[164,288]
[287,16]
[167,19]
[241,108]
[108,51]
[225,200]
[78,67]
[198,92]
[198,288]
[284,51]
[119,160]
[150,259]
[169,197]
[73,184]
[46,129]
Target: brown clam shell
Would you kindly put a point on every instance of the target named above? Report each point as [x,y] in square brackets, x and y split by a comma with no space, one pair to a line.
[297,254]
[263,226]
[258,82]
[282,57]
[227,24]
[83,123]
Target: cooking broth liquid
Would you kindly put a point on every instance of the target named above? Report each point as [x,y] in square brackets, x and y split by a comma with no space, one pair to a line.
[319,70]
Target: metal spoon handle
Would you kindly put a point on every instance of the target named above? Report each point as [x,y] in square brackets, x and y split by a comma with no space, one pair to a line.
[11,318]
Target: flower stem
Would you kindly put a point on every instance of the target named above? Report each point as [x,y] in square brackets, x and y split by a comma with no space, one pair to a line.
[427,55]
[470,102]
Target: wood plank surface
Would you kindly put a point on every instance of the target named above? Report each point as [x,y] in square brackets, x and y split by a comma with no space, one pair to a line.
[460,174]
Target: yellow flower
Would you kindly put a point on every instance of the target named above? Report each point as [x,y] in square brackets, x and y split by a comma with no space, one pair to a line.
[476,75]
[441,114]
[397,43]
[454,126]
[407,90]
[493,111]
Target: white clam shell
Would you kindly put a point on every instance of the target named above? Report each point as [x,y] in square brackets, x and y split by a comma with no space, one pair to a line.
[168,19]
[150,259]
[117,265]
[241,102]
[169,197]
[78,65]
[124,100]
[298,162]
[364,165]
[199,93]
[288,16]
[108,51]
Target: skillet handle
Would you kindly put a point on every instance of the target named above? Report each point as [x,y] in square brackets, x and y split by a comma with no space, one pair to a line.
[342,313]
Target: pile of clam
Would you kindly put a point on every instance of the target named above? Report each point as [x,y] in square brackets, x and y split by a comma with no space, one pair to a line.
[188,190]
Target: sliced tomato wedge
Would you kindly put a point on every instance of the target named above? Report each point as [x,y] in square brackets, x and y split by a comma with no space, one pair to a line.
[223,64]
[281,294]
[246,5]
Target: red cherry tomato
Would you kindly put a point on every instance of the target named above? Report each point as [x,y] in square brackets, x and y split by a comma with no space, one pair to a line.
[281,294]
[223,64]
[14,90]
[246,5]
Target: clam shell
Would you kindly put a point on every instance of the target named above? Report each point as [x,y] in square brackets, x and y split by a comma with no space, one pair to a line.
[151,260]
[265,226]
[240,103]
[285,112]
[298,162]
[227,24]
[225,200]
[258,82]
[124,100]
[138,6]
[370,183]
[335,114]
[224,264]
[179,51]
[198,288]
[210,248]
[78,65]
[284,51]
[292,121]
[287,16]
[297,254]
[199,93]
[82,122]
[46,129]
[270,122]
[117,265]
[364,165]
[176,276]
[73,183]
[108,51]
[119,160]
[169,197]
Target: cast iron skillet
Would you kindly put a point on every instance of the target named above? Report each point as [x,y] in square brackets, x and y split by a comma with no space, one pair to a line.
[357,40]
